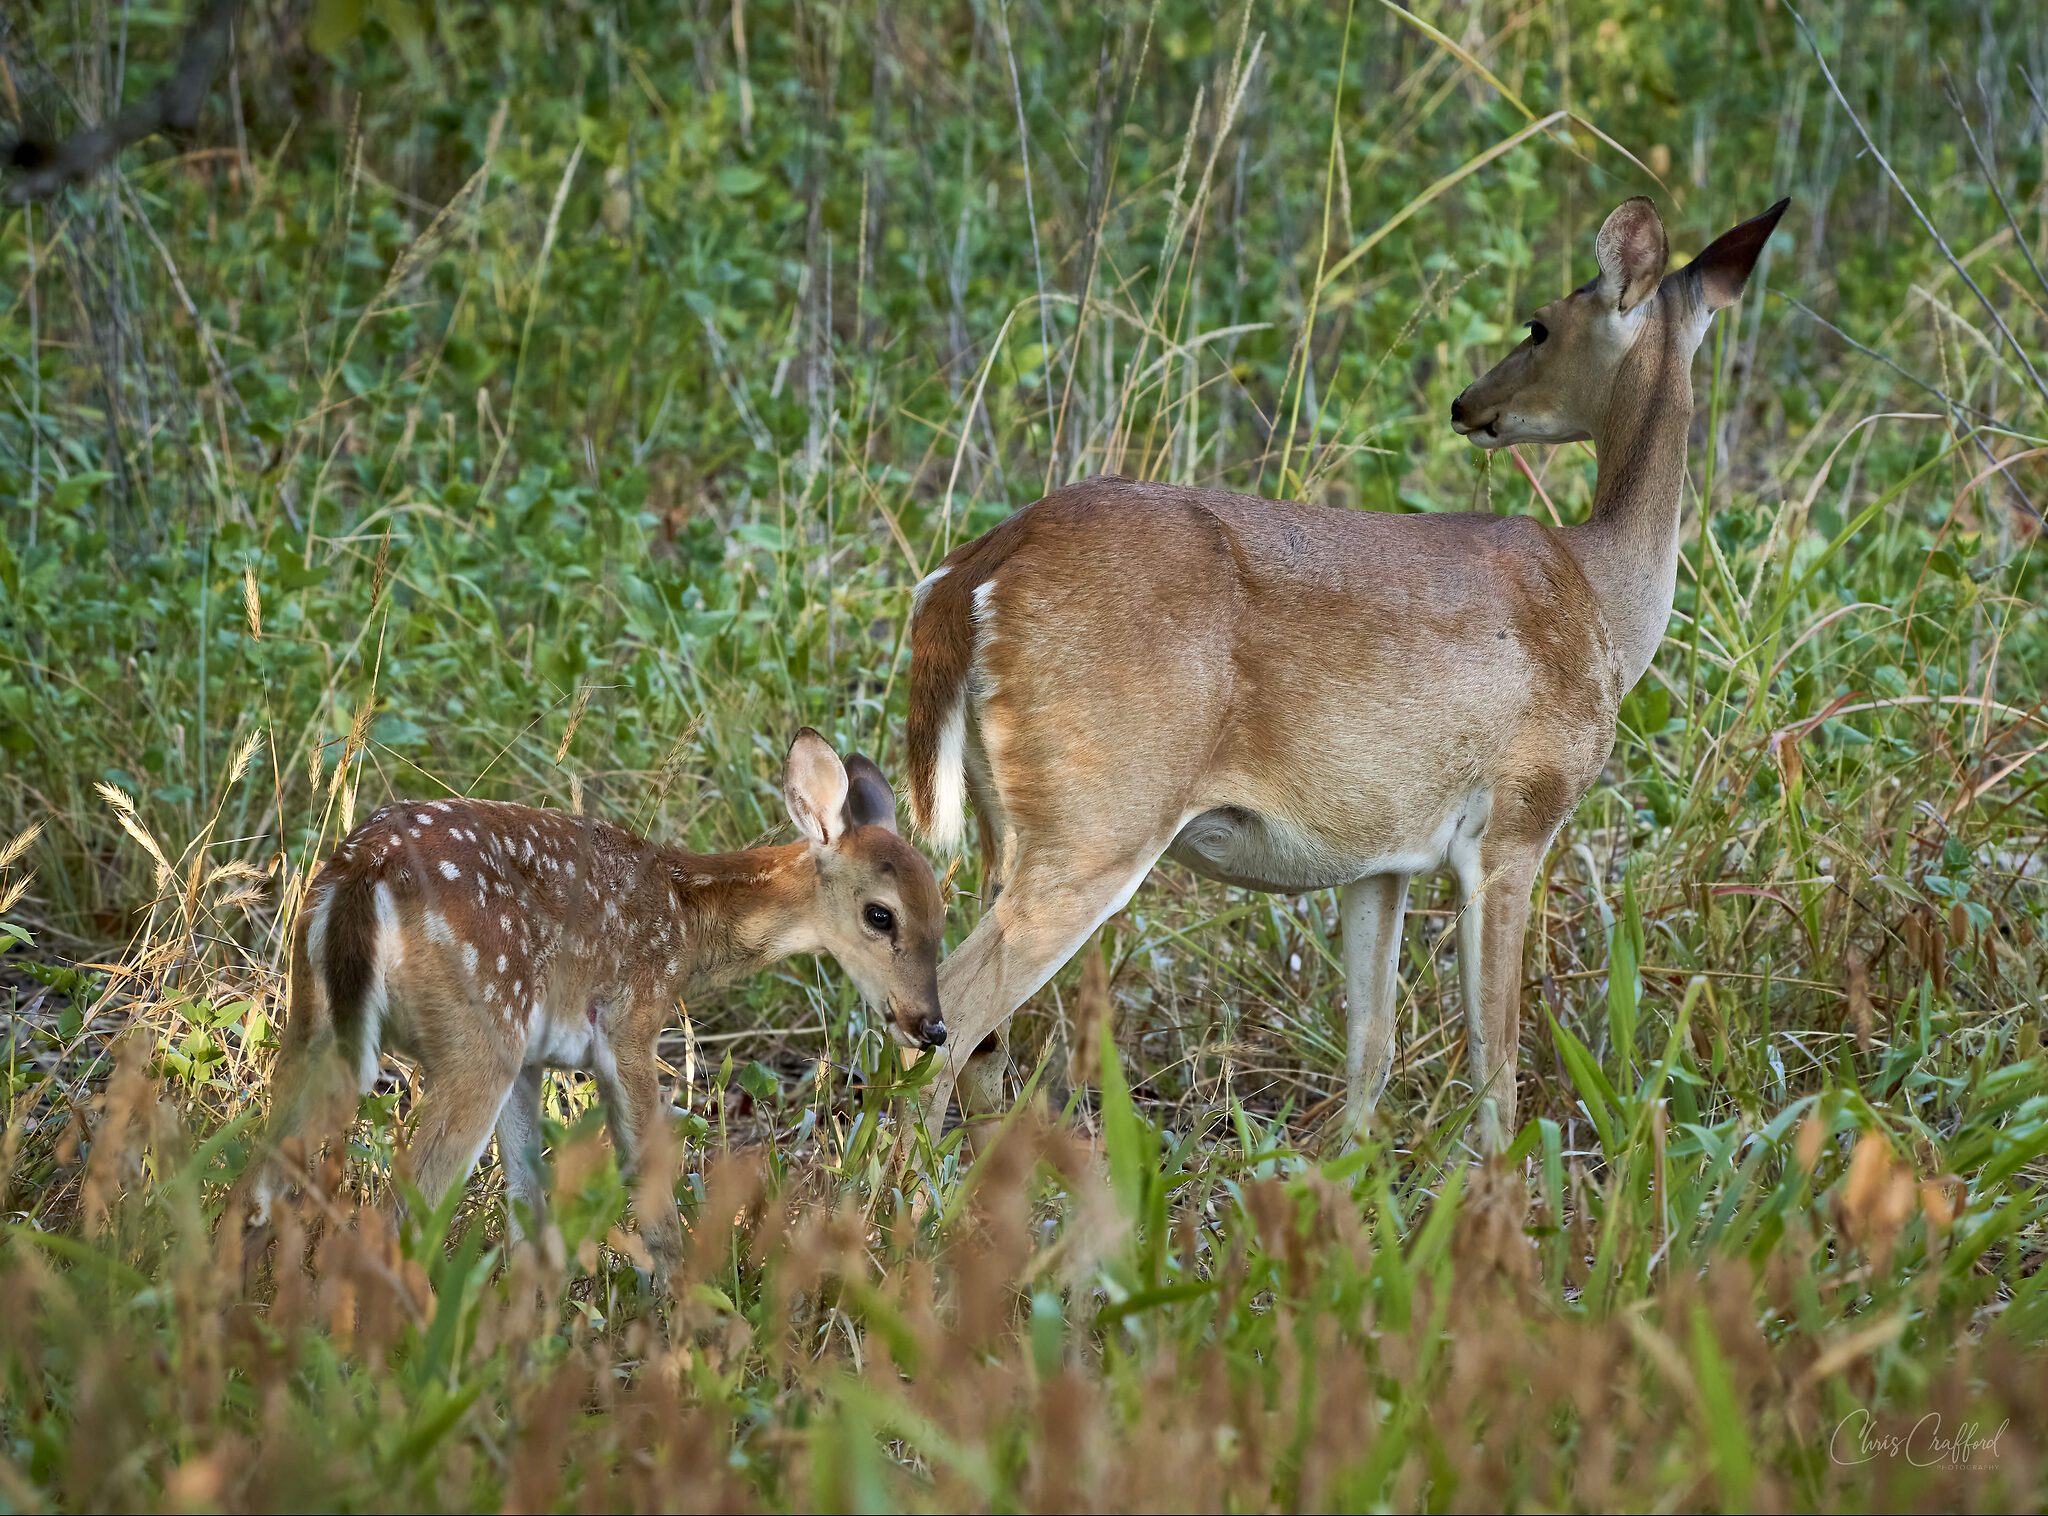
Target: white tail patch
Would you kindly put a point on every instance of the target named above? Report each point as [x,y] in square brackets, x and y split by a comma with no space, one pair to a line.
[316,946]
[390,952]
[946,828]
[924,588]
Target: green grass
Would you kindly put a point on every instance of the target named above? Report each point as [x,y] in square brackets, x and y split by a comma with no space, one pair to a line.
[557,403]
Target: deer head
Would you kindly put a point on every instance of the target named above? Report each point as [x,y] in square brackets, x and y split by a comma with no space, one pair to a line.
[876,906]
[1561,383]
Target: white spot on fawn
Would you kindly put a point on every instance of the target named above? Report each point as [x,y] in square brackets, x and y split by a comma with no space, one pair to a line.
[449,870]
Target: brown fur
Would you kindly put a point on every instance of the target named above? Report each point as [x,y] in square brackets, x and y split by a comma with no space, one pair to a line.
[941,647]
[1289,696]
[350,954]
[491,941]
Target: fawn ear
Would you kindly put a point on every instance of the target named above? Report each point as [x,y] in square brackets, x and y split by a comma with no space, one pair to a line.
[869,799]
[1632,250]
[814,784]
[1723,268]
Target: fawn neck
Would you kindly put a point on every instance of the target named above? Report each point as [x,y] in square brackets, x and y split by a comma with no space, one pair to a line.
[1628,547]
[740,911]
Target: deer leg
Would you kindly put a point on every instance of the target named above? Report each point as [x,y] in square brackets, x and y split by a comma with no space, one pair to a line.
[1493,914]
[310,1092]
[1044,915]
[633,1111]
[981,1077]
[1510,879]
[1371,910]
[519,1152]
[457,1113]
[1471,877]
[985,1074]
[989,828]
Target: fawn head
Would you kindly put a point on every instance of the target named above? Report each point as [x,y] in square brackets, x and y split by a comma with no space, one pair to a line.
[876,906]
[1560,383]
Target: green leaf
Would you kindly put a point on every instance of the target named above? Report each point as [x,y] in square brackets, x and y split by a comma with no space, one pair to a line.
[394,730]
[1145,1300]
[76,489]
[1048,1333]
[1727,1427]
[1622,989]
[1595,1093]
[738,180]
[335,24]
[429,1428]
[1127,1137]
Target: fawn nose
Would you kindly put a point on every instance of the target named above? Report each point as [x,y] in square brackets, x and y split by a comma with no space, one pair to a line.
[931,1032]
[1458,413]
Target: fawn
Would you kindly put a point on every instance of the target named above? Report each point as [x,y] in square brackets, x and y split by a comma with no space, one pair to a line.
[1290,697]
[492,942]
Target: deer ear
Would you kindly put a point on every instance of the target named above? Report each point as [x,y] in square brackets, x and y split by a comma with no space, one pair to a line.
[869,799]
[1632,250]
[814,784]
[1723,268]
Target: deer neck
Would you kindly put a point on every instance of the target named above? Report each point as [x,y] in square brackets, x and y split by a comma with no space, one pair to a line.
[740,912]
[1628,547]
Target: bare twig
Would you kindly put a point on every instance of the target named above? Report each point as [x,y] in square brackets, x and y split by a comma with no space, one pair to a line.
[1941,242]
[1030,208]
[2034,92]
[47,167]
[1990,176]
[1870,352]
[1957,408]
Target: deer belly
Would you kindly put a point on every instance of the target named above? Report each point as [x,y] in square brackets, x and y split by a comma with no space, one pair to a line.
[1242,847]
[566,1039]
[1254,851]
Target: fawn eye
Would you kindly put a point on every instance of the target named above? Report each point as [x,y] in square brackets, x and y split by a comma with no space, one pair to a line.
[880,917]
[1537,332]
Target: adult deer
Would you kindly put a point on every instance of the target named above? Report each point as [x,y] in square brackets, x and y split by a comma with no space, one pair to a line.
[493,942]
[1289,697]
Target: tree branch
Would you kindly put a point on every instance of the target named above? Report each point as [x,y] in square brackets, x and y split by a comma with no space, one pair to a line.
[43,168]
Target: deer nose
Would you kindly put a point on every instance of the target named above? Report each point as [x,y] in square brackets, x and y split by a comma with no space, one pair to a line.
[1458,417]
[932,1033]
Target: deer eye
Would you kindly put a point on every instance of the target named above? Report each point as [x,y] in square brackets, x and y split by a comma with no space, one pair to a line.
[879,917]
[1537,332]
